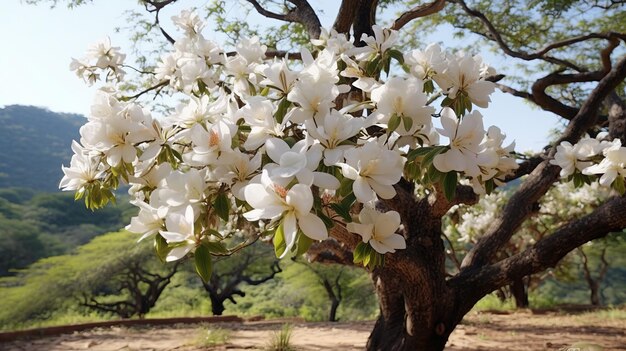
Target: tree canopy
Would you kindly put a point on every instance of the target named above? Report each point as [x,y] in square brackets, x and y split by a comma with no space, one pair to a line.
[334,142]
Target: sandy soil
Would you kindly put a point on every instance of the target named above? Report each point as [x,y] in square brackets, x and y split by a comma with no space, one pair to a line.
[486,331]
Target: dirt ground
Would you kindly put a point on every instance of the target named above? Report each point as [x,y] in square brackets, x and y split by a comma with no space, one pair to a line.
[484,331]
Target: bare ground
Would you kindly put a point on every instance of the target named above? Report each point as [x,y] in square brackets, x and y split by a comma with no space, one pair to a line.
[485,331]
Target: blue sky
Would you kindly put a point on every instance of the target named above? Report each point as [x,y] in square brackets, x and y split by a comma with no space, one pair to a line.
[39,42]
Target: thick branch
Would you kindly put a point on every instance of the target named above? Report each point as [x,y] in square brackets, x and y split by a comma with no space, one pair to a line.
[345,15]
[521,204]
[364,20]
[417,12]
[440,205]
[331,251]
[275,267]
[546,253]
[303,13]
[617,117]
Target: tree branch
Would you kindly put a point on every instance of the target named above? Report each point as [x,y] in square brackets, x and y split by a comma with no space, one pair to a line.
[345,16]
[417,12]
[521,204]
[303,13]
[495,35]
[546,253]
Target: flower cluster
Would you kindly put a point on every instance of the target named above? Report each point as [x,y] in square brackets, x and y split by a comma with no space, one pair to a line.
[101,57]
[290,146]
[591,157]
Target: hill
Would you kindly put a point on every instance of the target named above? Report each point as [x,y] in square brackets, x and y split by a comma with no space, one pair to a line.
[34,143]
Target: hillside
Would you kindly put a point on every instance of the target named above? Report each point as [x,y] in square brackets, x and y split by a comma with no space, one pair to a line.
[34,143]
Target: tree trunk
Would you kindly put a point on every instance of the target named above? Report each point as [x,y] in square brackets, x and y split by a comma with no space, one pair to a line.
[595,293]
[332,316]
[412,316]
[520,293]
[217,307]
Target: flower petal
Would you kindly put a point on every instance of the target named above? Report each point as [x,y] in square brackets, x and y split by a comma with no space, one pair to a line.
[301,198]
[312,226]
[363,191]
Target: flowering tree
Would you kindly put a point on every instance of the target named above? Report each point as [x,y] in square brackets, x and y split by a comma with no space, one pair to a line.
[333,152]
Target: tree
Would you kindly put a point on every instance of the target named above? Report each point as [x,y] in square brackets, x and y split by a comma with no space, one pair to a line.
[332,147]
[247,267]
[330,279]
[138,287]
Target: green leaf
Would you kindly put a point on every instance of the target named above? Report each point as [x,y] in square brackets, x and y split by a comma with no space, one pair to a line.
[430,156]
[342,211]
[279,241]
[578,180]
[214,232]
[619,186]
[489,186]
[408,123]
[304,242]
[419,152]
[449,185]
[359,252]
[429,87]
[216,247]
[202,259]
[281,111]
[372,67]
[327,221]
[161,247]
[396,55]
[394,123]
[222,206]
[348,201]
[345,187]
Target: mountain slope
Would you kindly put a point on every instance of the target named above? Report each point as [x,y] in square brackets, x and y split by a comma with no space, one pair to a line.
[34,143]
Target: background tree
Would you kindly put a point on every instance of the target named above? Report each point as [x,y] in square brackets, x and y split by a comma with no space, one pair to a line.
[132,287]
[420,302]
[248,267]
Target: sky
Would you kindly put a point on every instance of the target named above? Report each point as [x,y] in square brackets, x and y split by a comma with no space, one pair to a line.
[38,44]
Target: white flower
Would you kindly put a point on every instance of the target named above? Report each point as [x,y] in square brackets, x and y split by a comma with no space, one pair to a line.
[300,161]
[374,170]
[251,49]
[180,229]
[612,166]
[353,70]
[572,157]
[208,143]
[423,63]
[235,169]
[334,129]
[259,115]
[83,169]
[147,222]
[336,42]
[463,74]
[316,89]
[465,139]
[277,75]
[271,200]
[178,190]
[382,40]
[402,97]
[379,230]
[189,22]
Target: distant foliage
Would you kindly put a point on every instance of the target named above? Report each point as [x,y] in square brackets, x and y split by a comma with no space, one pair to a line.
[35,165]
[36,225]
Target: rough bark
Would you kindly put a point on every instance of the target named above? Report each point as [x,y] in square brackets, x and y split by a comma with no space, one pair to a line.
[616,109]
